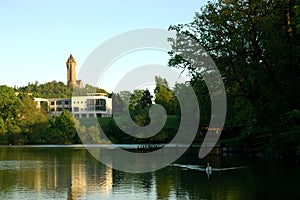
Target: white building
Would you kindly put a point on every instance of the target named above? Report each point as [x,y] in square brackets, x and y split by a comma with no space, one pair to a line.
[92,105]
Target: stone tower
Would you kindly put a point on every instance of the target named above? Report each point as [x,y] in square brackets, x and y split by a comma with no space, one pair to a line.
[71,71]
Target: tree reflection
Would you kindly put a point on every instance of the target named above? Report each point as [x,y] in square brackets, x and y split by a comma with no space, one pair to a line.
[72,173]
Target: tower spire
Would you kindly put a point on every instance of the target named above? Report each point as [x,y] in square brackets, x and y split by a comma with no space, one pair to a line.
[71,71]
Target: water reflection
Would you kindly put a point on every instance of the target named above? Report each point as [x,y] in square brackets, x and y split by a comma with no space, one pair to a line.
[72,173]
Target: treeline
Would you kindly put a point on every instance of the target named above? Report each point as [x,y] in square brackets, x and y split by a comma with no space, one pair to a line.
[255,45]
[139,103]
[56,89]
[52,89]
[90,133]
[21,122]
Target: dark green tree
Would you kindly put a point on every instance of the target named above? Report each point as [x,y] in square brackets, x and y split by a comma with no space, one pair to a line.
[34,120]
[52,89]
[255,45]
[9,115]
[62,130]
[20,119]
[56,89]
[164,95]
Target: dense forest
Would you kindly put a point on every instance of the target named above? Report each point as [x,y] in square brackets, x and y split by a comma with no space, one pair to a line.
[254,44]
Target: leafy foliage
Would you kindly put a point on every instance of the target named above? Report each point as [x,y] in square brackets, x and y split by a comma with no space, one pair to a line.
[140,103]
[20,120]
[57,90]
[255,45]
[62,130]
[48,90]
[164,95]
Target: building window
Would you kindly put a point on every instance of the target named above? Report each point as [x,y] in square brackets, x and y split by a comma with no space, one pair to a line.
[76,116]
[59,109]
[91,101]
[83,115]
[76,109]
[52,103]
[101,104]
[66,102]
[58,103]
[91,115]
[90,104]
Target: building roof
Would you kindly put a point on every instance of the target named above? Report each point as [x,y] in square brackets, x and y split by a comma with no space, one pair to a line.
[71,58]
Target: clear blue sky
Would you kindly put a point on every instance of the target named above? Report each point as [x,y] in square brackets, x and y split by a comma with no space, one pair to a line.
[38,36]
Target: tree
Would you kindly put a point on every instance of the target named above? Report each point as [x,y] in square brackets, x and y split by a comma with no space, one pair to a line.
[62,130]
[88,89]
[164,95]
[56,89]
[296,20]
[120,101]
[48,90]
[139,104]
[20,120]
[89,135]
[33,121]
[9,104]
[255,45]
[146,99]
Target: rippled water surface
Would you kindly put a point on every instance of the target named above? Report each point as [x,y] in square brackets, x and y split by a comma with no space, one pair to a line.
[63,172]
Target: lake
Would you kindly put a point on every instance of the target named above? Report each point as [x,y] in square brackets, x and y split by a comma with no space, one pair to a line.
[70,172]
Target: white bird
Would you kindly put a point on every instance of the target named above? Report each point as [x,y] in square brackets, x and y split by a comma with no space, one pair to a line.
[208,169]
